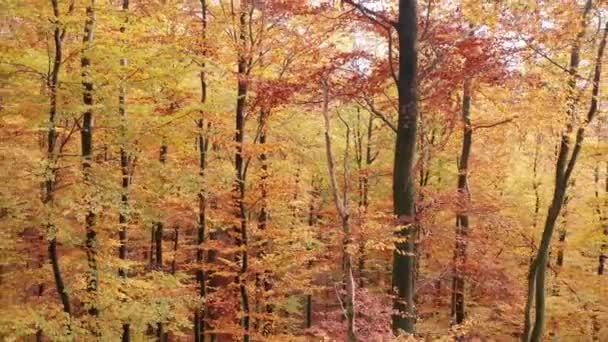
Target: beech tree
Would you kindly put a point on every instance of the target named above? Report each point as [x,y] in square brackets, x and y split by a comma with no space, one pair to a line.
[566,161]
[292,170]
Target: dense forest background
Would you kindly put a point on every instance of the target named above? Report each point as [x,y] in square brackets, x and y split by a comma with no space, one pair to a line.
[299,170]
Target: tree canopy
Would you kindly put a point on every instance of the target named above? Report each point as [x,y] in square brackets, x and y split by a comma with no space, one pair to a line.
[299,170]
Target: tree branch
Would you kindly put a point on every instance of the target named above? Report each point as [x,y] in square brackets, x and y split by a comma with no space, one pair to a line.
[372,15]
[380,115]
[493,124]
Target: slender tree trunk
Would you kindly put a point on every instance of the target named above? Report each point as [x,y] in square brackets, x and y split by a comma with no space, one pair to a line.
[50,182]
[343,211]
[531,278]
[536,182]
[175,242]
[361,209]
[263,280]
[566,162]
[160,333]
[602,217]
[403,186]
[159,230]
[462,218]
[263,216]
[91,242]
[201,315]
[152,247]
[239,186]
[363,170]
[601,207]
[125,165]
[158,243]
[312,221]
[369,159]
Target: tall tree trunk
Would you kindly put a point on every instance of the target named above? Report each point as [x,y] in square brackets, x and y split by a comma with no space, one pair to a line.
[566,162]
[91,242]
[462,218]
[343,211]
[531,281]
[201,315]
[404,196]
[239,186]
[363,182]
[49,183]
[125,164]
[263,280]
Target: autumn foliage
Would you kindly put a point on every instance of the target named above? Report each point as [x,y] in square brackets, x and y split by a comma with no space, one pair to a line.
[224,170]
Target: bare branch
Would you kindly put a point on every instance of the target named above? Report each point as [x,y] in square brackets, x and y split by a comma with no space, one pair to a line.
[379,114]
[372,15]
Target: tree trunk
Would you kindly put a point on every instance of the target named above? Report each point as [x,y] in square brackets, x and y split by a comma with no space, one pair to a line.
[403,186]
[536,182]
[49,183]
[312,221]
[263,216]
[566,162]
[343,211]
[175,242]
[201,315]
[531,280]
[91,242]
[363,183]
[152,248]
[462,218]
[361,190]
[602,216]
[239,186]
[125,165]
[158,243]
[263,279]
[563,229]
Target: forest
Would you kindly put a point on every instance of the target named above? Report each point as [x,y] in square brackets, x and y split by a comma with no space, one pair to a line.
[303,170]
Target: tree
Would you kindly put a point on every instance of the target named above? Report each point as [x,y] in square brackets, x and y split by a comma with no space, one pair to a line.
[203,147]
[344,212]
[203,197]
[126,170]
[566,161]
[52,155]
[87,160]
[405,150]
[462,218]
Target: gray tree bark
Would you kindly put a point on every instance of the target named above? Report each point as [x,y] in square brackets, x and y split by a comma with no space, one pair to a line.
[566,161]
[91,242]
